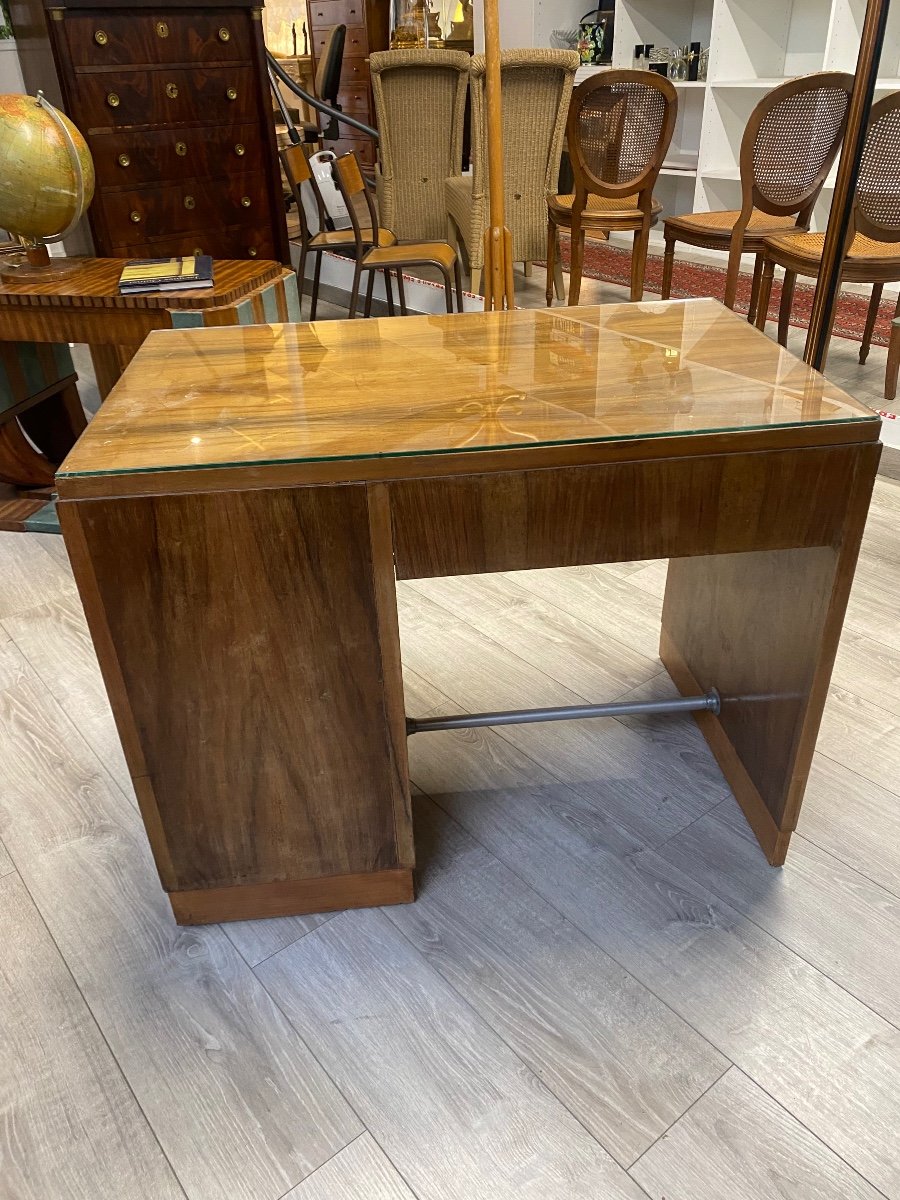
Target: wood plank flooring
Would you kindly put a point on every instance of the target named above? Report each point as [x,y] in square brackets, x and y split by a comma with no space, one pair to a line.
[603,991]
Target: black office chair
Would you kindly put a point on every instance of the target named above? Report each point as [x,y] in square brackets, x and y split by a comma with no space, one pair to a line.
[328,84]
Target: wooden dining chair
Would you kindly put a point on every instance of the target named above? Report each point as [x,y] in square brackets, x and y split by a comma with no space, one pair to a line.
[618,131]
[787,150]
[872,253]
[390,259]
[297,172]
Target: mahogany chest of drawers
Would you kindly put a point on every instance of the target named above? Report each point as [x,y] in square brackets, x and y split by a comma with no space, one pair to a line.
[174,103]
[368,29]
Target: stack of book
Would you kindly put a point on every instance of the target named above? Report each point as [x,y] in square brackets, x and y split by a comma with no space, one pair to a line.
[147,275]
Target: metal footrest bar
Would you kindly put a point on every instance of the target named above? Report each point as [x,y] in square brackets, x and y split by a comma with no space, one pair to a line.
[710,702]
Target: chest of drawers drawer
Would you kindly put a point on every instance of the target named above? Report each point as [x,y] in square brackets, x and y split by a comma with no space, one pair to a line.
[355,100]
[134,157]
[337,12]
[364,147]
[356,42]
[167,96]
[110,39]
[236,241]
[133,216]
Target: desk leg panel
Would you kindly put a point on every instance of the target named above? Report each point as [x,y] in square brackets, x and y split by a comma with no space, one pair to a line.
[763,627]
[249,647]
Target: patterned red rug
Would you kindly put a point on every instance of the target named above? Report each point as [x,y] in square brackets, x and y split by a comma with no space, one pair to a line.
[612,264]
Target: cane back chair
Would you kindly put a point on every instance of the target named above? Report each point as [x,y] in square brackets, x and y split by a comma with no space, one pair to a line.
[536,87]
[297,172]
[618,131]
[390,259]
[420,106]
[872,253]
[788,147]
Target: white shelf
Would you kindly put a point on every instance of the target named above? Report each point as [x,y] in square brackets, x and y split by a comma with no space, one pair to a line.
[767,84]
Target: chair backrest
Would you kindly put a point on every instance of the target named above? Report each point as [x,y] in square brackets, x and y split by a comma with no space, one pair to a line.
[791,141]
[328,68]
[877,210]
[350,183]
[536,87]
[420,104]
[297,172]
[619,129]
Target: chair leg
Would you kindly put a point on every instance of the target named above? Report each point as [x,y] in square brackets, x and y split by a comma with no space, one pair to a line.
[370,292]
[734,269]
[639,260]
[893,364]
[765,292]
[457,279]
[401,293]
[559,283]
[314,299]
[527,268]
[448,289]
[668,266]
[354,293]
[787,305]
[871,317]
[552,259]
[475,285]
[577,265]
[301,275]
[389,292]
[754,289]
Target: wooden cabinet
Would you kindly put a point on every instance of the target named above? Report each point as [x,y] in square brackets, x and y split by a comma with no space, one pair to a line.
[174,103]
[368,29]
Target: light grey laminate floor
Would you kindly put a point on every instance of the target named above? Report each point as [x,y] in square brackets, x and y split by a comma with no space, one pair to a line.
[602,993]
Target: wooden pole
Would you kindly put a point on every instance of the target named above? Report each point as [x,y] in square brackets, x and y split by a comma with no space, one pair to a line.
[839,229]
[499,289]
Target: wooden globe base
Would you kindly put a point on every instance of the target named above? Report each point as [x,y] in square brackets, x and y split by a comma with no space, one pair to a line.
[35,266]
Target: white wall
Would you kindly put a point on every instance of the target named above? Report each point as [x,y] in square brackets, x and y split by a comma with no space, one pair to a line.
[10,73]
[530,22]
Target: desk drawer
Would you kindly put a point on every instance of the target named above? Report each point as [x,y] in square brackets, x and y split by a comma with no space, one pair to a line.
[167,96]
[110,39]
[356,43]
[337,12]
[135,216]
[130,158]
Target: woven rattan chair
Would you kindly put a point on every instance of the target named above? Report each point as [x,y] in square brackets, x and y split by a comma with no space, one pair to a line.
[619,128]
[536,87]
[393,258]
[297,171]
[787,149]
[420,104]
[873,239]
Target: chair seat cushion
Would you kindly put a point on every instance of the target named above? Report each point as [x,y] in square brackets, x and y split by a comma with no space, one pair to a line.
[600,208]
[412,252]
[809,246]
[717,226]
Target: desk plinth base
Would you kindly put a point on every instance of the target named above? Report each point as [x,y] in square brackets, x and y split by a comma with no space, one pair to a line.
[293,897]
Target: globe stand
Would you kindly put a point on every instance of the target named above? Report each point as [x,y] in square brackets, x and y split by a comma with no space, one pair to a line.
[35,266]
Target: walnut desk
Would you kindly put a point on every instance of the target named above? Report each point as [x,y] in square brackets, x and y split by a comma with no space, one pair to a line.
[238,511]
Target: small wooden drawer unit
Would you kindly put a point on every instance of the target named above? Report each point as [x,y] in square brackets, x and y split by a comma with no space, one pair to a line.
[174,102]
[368,29]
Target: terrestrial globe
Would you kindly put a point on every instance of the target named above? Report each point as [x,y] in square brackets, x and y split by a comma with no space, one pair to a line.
[46,180]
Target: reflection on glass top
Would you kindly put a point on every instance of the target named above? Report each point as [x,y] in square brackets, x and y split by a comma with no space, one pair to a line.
[351,390]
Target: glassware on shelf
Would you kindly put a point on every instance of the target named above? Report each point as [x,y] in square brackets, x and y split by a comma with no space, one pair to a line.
[415,26]
[703,65]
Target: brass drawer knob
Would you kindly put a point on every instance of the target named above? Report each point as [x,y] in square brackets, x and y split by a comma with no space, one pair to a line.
[231,93]
[189,202]
[181,149]
[197,250]
[112,100]
[240,149]
[124,160]
[100,38]
[251,253]
[245,201]
[162,29]
[136,218]
[224,35]
[172,91]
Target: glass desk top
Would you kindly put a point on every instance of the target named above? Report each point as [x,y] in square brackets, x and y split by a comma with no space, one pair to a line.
[395,387]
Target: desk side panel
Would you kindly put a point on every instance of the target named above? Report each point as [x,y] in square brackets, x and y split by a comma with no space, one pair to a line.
[240,635]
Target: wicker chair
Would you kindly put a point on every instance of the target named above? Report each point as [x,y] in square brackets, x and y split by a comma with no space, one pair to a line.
[420,104]
[787,149]
[537,86]
[390,259]
[297,172]
[873,239]
[619,129]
